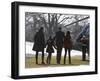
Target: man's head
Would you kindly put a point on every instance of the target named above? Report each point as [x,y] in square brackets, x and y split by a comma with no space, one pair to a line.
[59,28]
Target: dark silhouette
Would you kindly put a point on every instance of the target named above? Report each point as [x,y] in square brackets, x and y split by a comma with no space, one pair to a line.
[88,51]
[67,46]
[59,39]
[49,50]
[39,44]
[84,42]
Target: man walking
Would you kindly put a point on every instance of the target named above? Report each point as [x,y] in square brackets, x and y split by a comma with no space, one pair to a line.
[59,39]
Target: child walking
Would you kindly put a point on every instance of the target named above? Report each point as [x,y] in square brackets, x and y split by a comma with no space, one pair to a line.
[49,49]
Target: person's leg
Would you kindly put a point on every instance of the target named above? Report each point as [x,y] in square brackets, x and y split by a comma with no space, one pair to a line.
[88,52]
[69,56]
[49,58]
[83,53]
[60,55]
[59,49]
[43,57]
[36,56]
[57,56]
[65,56]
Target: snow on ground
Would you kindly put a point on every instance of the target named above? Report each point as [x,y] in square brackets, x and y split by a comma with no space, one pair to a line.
[30,52]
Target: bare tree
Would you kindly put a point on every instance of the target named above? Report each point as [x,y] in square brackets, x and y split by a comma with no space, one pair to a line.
[51,22]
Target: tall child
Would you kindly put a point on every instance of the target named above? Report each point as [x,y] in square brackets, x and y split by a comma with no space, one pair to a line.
[67,46]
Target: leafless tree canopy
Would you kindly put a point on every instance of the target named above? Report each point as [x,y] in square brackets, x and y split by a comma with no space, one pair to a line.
[75,23]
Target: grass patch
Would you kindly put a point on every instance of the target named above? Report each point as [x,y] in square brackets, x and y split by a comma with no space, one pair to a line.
[76,61]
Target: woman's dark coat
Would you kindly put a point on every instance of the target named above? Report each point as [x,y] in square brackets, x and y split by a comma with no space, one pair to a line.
[39,42]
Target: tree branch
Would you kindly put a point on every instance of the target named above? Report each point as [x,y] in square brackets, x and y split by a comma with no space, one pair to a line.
[63,20]
[77,21]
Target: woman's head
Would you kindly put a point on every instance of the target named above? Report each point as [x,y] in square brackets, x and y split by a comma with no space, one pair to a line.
[41,29]
[68,33]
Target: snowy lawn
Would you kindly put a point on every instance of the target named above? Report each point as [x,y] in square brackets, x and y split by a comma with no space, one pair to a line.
[76,58]
[30,52]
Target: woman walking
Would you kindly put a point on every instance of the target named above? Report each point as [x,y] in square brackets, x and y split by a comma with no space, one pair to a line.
[67,46]
[39,44]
